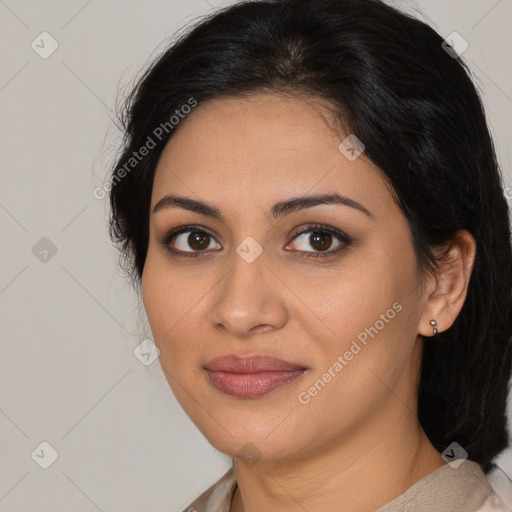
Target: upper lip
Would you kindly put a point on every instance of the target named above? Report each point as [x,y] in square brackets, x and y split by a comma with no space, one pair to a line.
[251,364]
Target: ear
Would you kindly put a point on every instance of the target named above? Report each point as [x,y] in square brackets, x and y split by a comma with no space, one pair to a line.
[447,289]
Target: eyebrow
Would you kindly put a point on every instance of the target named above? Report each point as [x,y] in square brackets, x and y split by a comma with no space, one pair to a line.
[279,209]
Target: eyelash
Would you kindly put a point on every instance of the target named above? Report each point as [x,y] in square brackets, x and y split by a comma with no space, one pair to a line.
[316,228]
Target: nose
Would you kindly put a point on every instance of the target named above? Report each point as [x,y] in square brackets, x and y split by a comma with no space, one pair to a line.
[249,299]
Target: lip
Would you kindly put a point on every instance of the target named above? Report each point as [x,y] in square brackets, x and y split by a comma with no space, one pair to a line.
[251,377]
[250,364]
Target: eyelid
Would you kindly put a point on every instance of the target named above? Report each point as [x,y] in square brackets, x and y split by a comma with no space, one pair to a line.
[170,235]
[323,228]
[342,237]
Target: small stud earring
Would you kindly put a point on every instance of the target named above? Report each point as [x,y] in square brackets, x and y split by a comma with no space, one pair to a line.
[433,323]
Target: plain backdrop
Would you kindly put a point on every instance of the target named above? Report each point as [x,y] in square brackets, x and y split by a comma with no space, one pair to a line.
[69,377]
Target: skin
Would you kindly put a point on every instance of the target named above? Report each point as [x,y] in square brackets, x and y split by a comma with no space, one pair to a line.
[358,442]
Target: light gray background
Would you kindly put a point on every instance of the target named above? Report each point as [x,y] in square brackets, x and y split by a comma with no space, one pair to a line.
[68,375]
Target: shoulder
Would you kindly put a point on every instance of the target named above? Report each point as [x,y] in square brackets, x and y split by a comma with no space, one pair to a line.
[493,504]
[216,498]
[500,499]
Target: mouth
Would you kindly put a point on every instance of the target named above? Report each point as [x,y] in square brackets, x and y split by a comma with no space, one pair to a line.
[251,377]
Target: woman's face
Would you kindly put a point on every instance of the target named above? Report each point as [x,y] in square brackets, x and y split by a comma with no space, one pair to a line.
[241,284]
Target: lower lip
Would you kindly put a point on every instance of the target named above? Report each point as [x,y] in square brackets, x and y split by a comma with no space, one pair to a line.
[251,385]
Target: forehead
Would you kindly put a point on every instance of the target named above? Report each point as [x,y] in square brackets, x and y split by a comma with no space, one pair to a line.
[263,148]
[269,122]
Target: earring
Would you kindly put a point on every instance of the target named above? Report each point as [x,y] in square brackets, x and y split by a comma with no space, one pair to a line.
[433,323]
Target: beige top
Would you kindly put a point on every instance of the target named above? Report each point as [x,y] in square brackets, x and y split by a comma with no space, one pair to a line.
[464,489]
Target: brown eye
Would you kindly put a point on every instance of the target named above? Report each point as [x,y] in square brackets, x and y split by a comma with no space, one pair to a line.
[320,241]
[185,241]
[189,241]
[198,241]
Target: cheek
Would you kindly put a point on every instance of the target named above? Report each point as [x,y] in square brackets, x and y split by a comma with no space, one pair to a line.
[354,297]
[166,313]
[359,368]
[370,312]
[161,297]
[172,310]
[155,298]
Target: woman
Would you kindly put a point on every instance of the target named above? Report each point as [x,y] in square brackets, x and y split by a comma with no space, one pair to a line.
[310,205]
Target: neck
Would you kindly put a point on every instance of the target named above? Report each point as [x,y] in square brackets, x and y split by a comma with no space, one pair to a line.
[356,474]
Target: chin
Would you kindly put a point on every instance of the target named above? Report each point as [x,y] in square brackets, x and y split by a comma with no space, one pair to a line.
[253,444]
